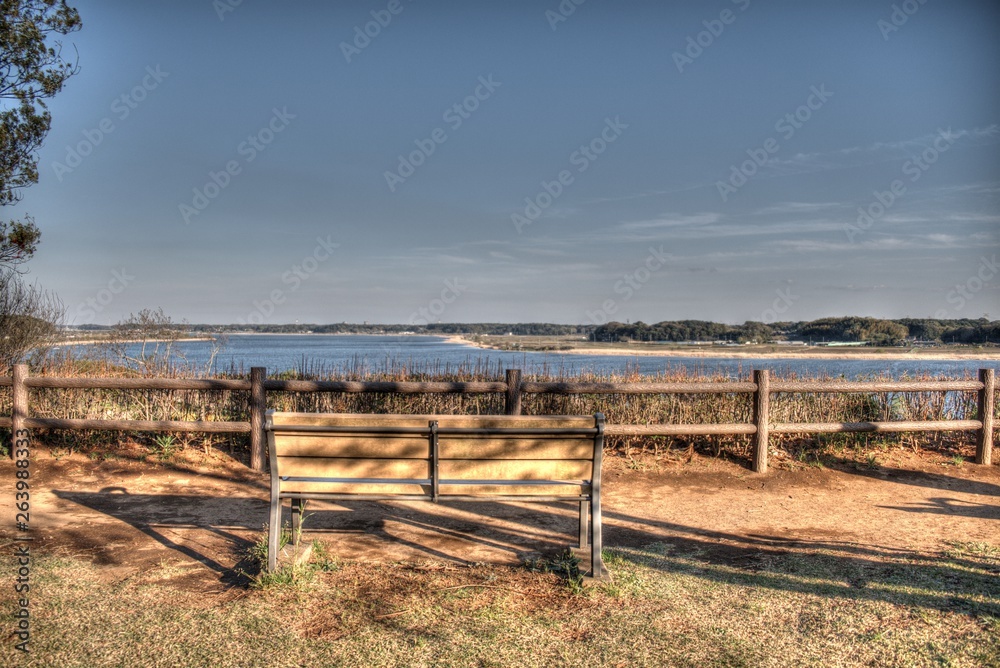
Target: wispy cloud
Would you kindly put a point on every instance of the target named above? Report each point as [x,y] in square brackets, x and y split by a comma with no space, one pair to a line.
[672,220]
[842,158]
[852,288]
[882,151]
[645,231]
[885,242]
[652,193]
[978,188]
[798,208]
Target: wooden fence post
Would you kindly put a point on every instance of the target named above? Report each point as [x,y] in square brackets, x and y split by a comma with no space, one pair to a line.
[986,402]
[19,405]
[513,400]
[761,418]
[258,407]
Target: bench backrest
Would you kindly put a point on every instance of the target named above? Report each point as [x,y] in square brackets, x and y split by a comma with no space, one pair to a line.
[462,455]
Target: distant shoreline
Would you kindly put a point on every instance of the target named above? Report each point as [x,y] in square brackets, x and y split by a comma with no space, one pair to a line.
[788,352]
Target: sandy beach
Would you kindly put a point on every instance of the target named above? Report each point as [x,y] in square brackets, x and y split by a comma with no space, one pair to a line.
[94,342]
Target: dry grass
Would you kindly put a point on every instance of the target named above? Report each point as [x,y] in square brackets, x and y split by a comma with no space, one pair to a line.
[665,607]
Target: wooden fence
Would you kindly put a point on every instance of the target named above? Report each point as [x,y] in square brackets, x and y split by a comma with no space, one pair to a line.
[514,388]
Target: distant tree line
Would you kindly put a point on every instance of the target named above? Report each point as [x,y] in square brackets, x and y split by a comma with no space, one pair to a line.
[849,329]
[494,328]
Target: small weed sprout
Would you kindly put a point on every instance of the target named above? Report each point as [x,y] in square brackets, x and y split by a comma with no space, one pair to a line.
[257,552]
[323,560]
[295,575]
[566,565]
[165,446]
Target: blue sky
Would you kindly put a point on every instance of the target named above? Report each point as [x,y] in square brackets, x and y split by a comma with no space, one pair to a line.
[524,161]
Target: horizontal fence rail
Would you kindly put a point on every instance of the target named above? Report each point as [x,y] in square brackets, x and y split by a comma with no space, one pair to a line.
[679,429]
[136,383]
[533,387]
[203,426]
[841,387]
[761,389]
[386,387]
[882,427]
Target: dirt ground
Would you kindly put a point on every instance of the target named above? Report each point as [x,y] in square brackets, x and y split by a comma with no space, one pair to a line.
[200,512]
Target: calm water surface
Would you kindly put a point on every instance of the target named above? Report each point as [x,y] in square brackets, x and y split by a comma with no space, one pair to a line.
[332,353]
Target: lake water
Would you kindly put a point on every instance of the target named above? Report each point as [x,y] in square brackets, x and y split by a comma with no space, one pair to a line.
[336,352]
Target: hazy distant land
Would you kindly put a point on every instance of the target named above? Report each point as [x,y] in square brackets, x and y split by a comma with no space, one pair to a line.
[849,338]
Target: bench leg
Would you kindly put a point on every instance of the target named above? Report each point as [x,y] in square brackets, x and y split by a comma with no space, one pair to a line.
[597,570]
[274,532]
[584,526]
[298,508]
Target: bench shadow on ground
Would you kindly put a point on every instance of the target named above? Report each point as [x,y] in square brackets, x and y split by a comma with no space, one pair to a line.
[172,520]
[163,518]
[833,569]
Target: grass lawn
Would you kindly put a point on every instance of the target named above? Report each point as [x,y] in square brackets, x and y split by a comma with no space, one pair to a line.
[664,607]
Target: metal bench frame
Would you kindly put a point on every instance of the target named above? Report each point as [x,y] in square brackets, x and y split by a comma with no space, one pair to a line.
[588,496]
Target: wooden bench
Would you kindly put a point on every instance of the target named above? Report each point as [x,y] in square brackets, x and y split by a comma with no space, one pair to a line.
[341,457]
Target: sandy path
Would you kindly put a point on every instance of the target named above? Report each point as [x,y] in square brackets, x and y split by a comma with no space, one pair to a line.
[130,515]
